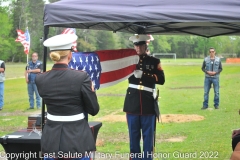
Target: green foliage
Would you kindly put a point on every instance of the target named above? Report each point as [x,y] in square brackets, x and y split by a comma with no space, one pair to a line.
[105,40]
[160,44]
[5,41]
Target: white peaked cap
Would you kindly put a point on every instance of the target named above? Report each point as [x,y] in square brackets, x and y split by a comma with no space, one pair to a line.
[60,42]
[139,39]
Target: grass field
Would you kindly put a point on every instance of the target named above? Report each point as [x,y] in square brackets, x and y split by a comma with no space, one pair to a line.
[182,93]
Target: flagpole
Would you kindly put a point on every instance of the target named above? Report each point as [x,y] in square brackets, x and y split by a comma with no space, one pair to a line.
[29,45]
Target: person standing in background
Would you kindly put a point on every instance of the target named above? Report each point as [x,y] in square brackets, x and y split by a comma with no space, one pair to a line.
[32,69]
[212,67]
[2,79]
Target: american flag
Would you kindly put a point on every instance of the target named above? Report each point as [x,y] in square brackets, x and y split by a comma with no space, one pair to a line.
[24,38]
[71,31]
[106,67]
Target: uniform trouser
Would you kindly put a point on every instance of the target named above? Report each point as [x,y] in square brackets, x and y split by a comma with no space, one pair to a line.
[1,94]
[136,123]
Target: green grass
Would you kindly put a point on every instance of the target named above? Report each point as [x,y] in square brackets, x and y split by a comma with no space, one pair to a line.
[182,93]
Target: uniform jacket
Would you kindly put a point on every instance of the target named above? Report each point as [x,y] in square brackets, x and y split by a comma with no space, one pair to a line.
[67,92]
[141,102]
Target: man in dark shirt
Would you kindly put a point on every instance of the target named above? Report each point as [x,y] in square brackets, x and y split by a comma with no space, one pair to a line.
[212,67]
[32,69]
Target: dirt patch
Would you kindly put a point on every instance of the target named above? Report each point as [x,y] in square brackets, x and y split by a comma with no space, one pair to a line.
[20,113]
[181,118]
[165,118]
[124,137]
[187,87]
[113,118]
[10,128]
[173,139]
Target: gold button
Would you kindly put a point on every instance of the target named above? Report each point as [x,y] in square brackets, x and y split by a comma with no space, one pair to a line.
[140,60]
[140,63]
[148,74]
[141,68]
[140,82]
[128,92]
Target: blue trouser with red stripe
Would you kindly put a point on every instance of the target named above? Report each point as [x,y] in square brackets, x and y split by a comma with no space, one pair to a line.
[136,123]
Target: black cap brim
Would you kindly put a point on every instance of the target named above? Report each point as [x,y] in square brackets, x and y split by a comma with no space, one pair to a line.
[139,43]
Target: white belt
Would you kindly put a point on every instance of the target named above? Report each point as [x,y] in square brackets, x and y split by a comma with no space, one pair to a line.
[140,87]
[65,118]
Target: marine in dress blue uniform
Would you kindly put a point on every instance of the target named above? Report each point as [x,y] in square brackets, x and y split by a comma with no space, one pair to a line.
[67,94]
[139,100]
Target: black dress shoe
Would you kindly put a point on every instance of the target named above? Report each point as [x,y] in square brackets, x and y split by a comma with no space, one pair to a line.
[216,107]
[204,108]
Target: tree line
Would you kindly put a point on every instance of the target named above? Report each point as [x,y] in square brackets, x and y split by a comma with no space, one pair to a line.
[19,14]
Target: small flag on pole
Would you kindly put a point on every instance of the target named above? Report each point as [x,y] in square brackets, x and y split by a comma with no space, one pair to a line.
[24,38]
[71,31]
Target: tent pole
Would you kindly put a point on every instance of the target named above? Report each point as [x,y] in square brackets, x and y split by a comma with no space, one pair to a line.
[46,31]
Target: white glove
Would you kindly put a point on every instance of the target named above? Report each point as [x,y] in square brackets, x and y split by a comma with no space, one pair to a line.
[138,73]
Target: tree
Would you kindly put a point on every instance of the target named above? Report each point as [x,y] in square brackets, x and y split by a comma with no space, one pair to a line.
[19,17]
[160,44]
[5,41]
[52,1]
[105,40]
[35,25]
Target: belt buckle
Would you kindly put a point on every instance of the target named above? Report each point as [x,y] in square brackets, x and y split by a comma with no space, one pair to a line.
[140,87]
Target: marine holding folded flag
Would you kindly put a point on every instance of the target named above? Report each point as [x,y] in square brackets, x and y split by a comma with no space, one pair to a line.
[140,105]
[67,94]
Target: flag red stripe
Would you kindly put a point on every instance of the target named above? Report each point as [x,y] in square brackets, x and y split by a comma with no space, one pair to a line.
[23,40]
[116,74]
[121,53]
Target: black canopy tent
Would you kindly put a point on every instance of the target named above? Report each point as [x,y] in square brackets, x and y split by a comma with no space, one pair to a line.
[199,17]
[205,18]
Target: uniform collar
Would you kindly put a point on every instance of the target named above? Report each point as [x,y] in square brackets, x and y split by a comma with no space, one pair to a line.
[60,65]
[143,55]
